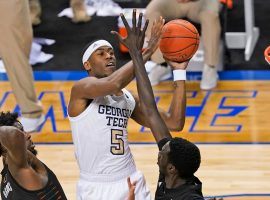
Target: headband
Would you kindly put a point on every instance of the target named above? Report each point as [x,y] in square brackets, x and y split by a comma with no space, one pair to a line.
[93,47]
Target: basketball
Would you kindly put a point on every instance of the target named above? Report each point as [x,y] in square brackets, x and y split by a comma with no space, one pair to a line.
[179,40]
[267,54]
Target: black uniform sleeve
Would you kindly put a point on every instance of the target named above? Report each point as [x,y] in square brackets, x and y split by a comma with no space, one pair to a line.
[198,198]
[162,142]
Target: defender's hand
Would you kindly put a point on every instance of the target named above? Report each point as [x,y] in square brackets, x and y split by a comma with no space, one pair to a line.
[131,187]
[135,35]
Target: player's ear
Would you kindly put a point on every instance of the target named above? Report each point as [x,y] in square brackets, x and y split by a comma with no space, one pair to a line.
[171,168]
[87,66]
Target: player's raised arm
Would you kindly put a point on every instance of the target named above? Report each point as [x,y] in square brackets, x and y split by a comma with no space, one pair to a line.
[175,117]
[148,105]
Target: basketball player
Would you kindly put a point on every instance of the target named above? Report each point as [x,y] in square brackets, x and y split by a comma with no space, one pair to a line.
[99,110]
[24,176]
[178,158]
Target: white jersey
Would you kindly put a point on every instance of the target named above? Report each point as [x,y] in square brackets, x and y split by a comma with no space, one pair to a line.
[100,138]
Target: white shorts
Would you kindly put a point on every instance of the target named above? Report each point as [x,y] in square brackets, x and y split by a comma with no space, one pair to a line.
[116,190]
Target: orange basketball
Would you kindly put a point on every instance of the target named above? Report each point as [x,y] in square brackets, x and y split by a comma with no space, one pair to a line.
[267,54]
[179,41]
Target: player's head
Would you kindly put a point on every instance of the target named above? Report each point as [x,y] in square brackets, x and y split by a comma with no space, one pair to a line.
[11,119]
[179,156]
[98,59]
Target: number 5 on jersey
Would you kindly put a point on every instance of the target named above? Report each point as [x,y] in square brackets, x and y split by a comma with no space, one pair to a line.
[117,147]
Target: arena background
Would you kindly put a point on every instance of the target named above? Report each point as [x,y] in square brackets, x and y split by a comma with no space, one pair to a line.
[71,38]
[230,124]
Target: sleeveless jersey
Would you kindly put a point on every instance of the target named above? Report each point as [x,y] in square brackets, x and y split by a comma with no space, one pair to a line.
[11,190]
[100,137]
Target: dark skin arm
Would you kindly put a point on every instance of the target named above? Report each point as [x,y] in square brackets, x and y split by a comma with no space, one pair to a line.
[175,117]
[148,105]
[155,121]
[17,157]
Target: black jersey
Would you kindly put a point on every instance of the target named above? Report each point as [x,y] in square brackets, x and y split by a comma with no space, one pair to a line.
[11,190]
[191,190]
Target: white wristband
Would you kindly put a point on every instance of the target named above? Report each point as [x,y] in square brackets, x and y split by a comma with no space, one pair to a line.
[179,75]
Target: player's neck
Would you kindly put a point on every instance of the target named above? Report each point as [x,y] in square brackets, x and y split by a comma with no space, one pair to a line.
[31,158]
[173,181]
[36,164]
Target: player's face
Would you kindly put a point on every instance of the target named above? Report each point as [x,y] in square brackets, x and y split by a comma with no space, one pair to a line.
[102,62]
[163,159]
[29,143]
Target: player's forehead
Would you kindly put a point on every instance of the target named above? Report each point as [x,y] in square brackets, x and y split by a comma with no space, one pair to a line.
[104,48]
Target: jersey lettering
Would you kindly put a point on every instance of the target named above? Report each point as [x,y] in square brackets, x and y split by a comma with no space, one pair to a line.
[115,121]
[7,189]
[110,110]
[117,142]
[115,116]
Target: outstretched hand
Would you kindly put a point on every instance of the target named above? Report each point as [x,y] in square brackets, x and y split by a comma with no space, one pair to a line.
[135,35]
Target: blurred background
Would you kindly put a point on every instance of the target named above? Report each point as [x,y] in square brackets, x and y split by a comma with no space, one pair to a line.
[71,38]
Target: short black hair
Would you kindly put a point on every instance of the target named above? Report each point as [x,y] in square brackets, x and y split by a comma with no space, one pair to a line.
[185,156]
[8,118]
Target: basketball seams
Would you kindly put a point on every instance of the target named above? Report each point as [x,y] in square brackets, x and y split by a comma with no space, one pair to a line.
[179,41]
[195,32]
[195,42]
[196,38]
[195,48]
[172,52]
